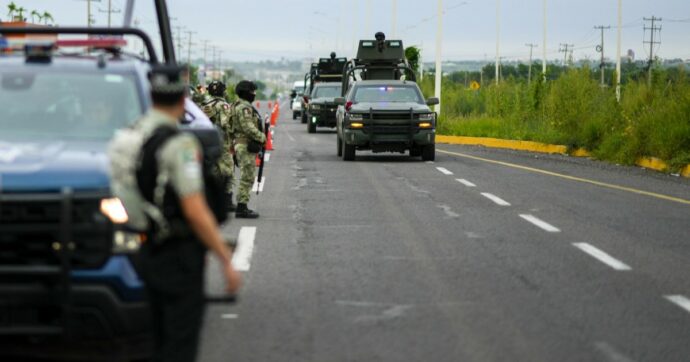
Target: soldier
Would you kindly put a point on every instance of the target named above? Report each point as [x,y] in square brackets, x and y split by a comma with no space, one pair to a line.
[173,265]
[218,110]
[248,142]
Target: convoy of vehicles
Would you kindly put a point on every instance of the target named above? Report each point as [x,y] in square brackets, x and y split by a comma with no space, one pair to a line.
[296,99]
[322,108]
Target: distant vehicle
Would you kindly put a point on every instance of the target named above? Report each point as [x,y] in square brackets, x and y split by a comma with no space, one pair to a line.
[68,265]
[296,99]
[325,71]
[322,107]
[381,111]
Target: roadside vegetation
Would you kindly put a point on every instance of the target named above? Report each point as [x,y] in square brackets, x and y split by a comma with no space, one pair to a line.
[573,109]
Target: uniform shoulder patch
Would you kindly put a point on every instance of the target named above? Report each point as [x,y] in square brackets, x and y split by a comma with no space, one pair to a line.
[247,112]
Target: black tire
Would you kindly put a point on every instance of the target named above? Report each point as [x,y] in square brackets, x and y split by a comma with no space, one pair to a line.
[348,152]
[311,127]
[415,151]
[304,118]
[429,153]
[294,116]
[340,147]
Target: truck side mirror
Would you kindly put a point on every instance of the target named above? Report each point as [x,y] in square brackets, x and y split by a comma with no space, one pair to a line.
[340,101]
[432,101]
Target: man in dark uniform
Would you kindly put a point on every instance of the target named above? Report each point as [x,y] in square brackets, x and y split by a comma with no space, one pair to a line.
[173,267]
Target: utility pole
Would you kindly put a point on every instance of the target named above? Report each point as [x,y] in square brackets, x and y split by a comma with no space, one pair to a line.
[543,60]
[110,11]
[618,51]
[567,49]
[189,53]
[652,30]
[89,20]
[178,31]
[498,37]
[439,71]
[600,49]
[529,72]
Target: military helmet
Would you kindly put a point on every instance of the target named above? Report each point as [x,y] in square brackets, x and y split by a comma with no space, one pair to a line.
[245,86]
[333,55]
[216,88]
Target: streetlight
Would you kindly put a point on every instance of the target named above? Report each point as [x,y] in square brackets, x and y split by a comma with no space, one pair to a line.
[439,71]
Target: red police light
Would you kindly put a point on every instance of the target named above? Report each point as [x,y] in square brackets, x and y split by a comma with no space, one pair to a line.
[92,43]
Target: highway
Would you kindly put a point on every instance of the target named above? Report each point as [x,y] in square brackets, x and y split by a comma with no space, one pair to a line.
[482,255]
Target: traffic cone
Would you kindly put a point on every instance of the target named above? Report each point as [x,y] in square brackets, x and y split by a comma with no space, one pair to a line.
[258,104]
[269,105]
[274,116]
[258,160]
[269,141]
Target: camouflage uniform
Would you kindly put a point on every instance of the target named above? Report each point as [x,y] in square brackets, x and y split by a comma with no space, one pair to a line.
[219,111]
[246,128]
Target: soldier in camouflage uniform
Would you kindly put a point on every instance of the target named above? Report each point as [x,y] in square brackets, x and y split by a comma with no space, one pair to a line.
[218,110]
[248,137]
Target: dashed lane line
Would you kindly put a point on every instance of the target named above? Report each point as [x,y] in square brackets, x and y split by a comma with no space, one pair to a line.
[572,178]
[602,256]
[465,182]
[229,316]
[499,201]
[242,257]
[267,157]
[259,186]
[540,223]
[444,170]
[680,301]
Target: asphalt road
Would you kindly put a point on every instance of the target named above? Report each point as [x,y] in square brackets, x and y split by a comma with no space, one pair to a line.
[483,255]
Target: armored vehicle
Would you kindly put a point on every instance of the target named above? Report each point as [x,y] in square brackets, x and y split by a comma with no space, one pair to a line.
[382,108]
[325,83]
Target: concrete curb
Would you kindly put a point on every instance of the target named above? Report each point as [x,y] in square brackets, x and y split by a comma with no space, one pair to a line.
[646,162]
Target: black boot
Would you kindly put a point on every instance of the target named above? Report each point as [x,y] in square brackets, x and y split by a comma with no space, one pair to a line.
[230,206]
[243,212]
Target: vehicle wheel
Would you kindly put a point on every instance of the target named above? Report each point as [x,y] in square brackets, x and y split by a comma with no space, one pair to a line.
[304,118]
[429,153]
[311,127]
[415,151]
[294,116]
[340,147]
[348,152]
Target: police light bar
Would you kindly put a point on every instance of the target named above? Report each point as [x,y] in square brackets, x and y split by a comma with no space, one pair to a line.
[92,43]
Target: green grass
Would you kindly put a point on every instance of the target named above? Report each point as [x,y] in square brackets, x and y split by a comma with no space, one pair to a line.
[575,111]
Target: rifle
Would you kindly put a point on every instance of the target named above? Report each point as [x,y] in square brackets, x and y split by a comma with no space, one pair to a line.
[260,175]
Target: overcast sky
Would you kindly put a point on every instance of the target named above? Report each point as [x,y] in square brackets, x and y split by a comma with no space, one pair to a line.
[295,29]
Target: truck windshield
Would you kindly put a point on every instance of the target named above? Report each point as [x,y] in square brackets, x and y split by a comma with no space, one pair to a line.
[387,93]
[327,92]
[48,104]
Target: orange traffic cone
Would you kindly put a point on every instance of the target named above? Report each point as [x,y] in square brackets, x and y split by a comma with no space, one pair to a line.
[269,105]
[274,116]
[258,161]
[258,104]
[269,141]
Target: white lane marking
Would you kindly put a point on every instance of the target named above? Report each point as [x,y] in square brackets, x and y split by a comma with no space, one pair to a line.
[465,182]
[602,256]
[444,170]
[499,201]
[242,257]
[229,316]
[611,353]
[450,214]
[430,162]
[259,186]
[267,157]
[680,301]
[540,223]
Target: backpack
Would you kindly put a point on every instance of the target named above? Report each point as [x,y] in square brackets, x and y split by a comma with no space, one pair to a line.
[151,203]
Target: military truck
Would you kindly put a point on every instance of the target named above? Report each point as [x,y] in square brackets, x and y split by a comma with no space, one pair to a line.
[325,82]
[382,108]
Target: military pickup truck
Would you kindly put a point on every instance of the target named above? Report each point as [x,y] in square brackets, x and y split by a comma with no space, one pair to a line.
[382,108]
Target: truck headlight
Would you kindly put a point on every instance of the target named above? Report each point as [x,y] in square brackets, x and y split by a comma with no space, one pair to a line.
[114,210]
[355,117]
[315,107]
[127,242]
[428,117]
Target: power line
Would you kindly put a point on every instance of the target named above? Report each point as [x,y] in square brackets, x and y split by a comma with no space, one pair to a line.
[110,11]
[529,72]
[567,49]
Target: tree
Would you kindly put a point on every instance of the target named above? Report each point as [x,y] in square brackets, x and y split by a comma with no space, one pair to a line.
[47,17]
[20,14]
[35,14]
[413,55]
[12,7]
